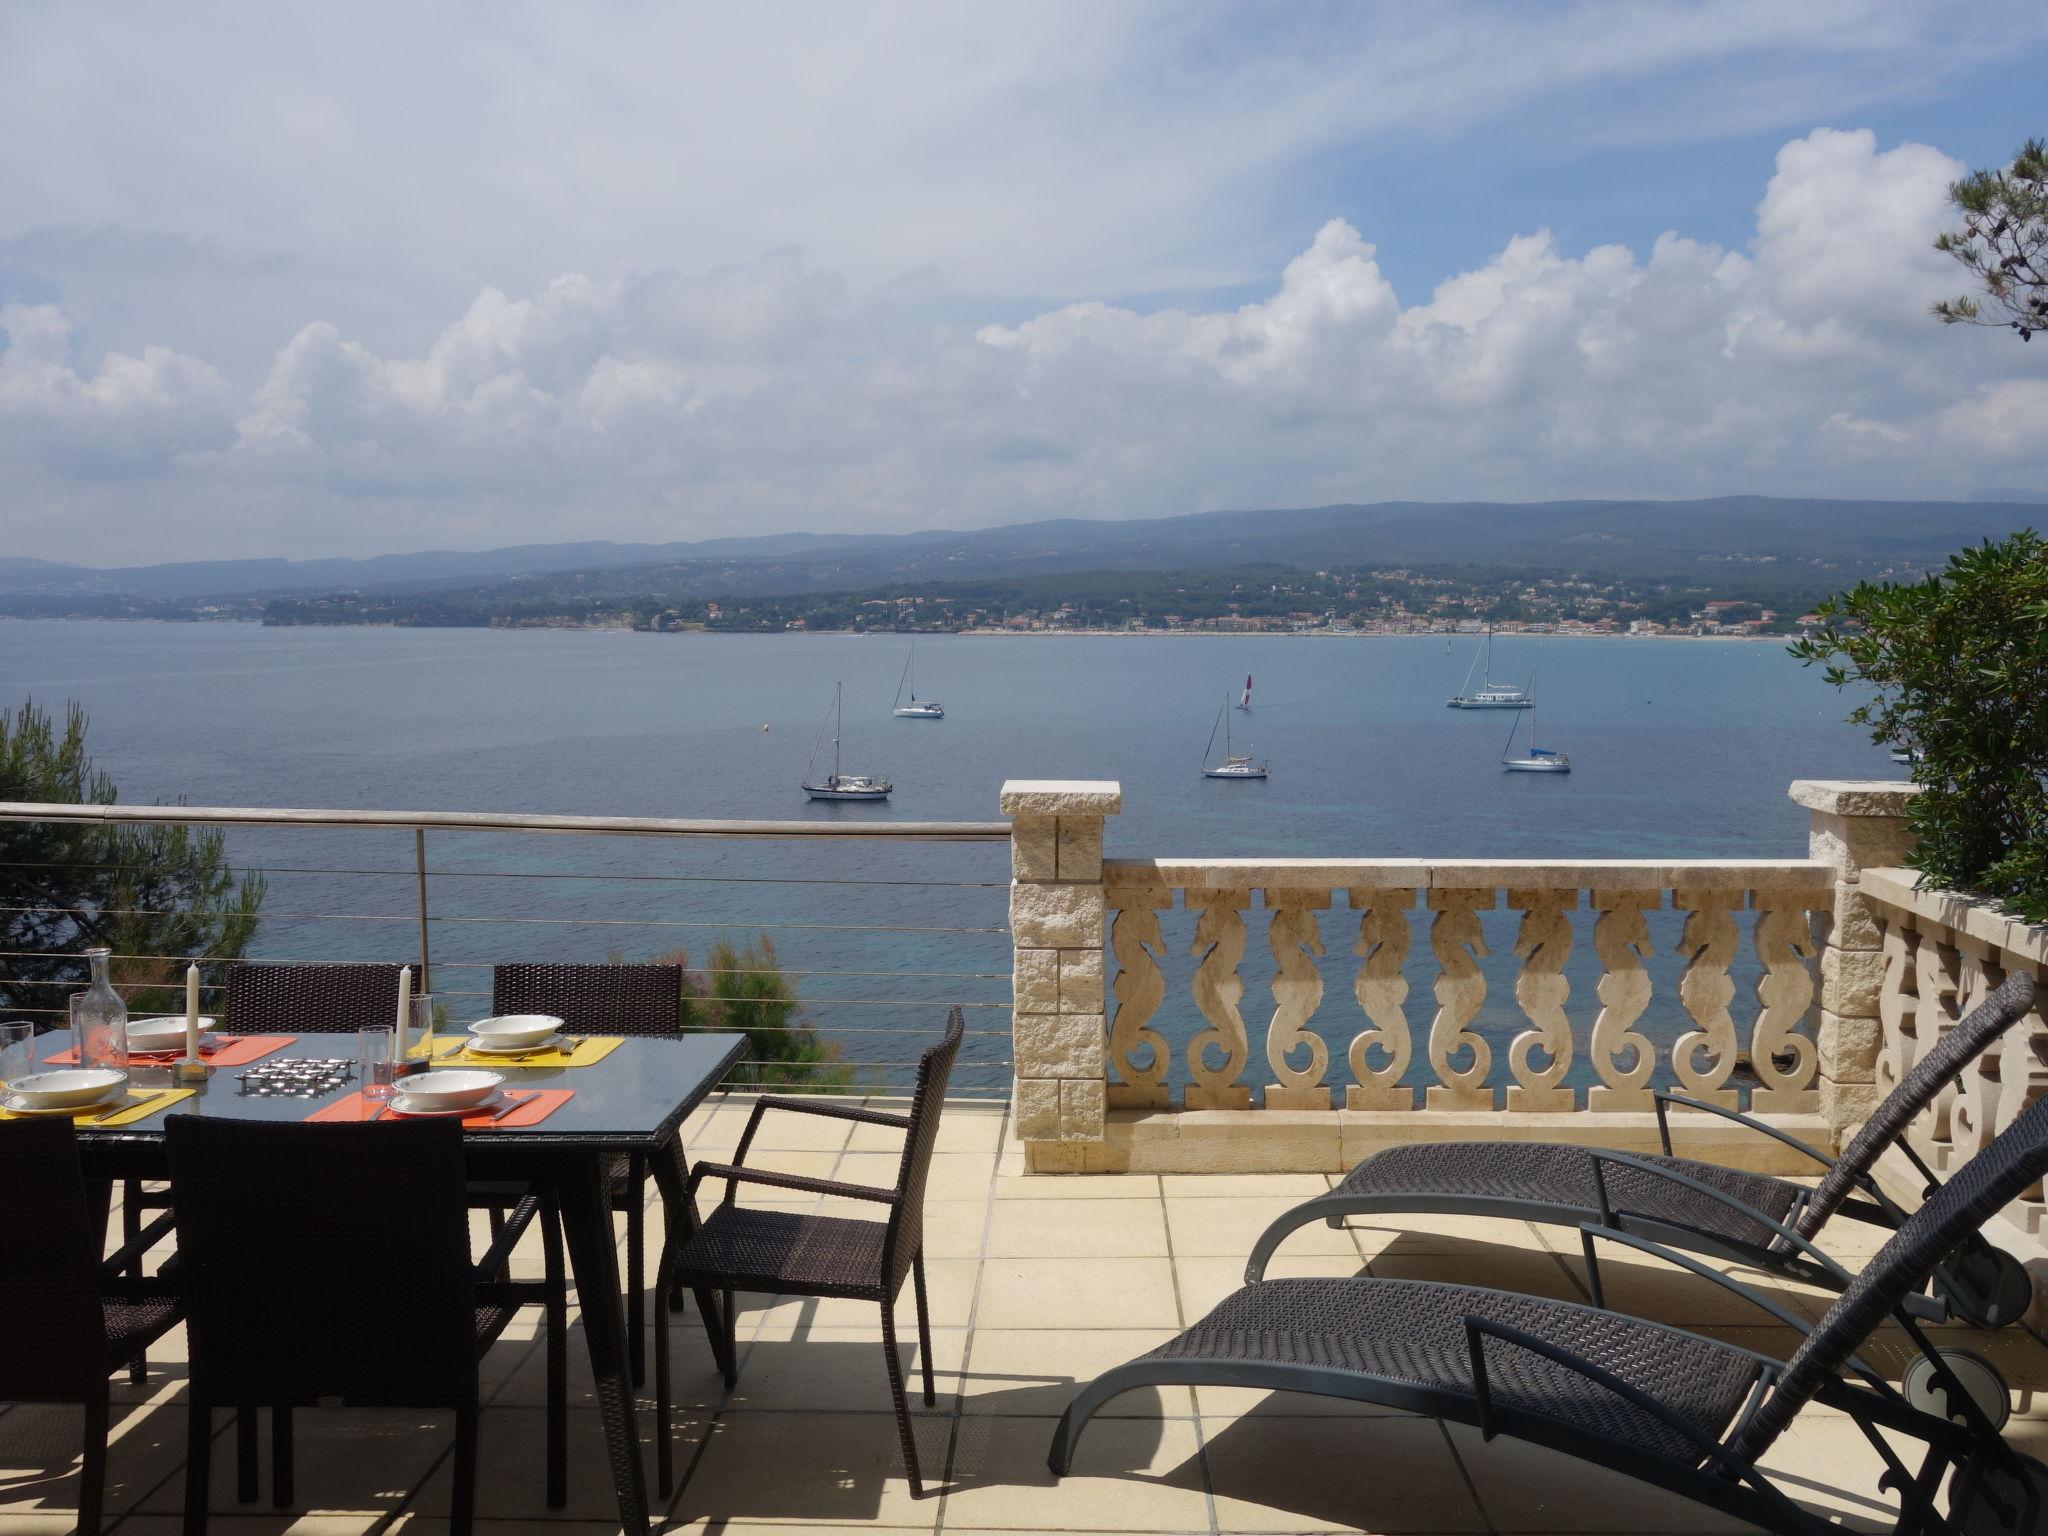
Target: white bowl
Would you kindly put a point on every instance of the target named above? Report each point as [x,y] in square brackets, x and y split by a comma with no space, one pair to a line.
[68,1088]
[165,1034]
[451,1088]
[514,1029]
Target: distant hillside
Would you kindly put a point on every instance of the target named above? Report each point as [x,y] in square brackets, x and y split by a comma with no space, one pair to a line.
[1631,538]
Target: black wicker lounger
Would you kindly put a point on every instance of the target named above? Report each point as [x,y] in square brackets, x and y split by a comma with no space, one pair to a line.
[1710,1209]
[1670,1408]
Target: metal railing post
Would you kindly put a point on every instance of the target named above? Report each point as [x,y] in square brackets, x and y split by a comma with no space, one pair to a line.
[419,864]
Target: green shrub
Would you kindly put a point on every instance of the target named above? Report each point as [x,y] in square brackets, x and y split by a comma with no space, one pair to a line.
[1958,665]
[745,991]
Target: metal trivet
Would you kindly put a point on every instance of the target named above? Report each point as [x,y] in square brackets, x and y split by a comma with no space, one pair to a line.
[301,1078]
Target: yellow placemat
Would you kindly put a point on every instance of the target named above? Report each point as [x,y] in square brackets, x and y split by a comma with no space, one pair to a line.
[593,1049]
[140,1103]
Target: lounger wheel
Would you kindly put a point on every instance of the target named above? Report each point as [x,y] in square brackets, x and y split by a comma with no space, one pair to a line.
[1978,1376]
[2001,1498]
[1988,1287]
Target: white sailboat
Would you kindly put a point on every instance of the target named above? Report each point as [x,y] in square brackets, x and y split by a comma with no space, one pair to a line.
[1234,764]
[1245,703]
[1491,695]
[1537,759]
[916,709]
[837,785]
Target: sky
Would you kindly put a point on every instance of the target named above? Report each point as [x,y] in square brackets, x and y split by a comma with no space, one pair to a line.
[314,281]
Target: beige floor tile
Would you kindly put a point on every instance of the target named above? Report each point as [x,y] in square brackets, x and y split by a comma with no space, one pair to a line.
[1291,1187]
[786,1130]
[961,1129]
[345,1461]
[1129,1475]
[1089,1186]
[1389,1474]
[1077,1229]
[511,1480]
[833,1469]
[1826,1464]
[1022,1371]
[1229,1226]
[41,1445]
[841,1369]
[953,1175]
[1061,1293]
[1203,1282]
[1525,1488]
[950,1289]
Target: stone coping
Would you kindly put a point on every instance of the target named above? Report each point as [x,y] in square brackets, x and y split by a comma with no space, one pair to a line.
[1854,797]
[1806,875]
[1978,918]
[1061,797]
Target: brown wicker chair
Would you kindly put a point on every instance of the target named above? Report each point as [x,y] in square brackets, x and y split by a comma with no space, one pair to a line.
[265,999]
[77,1319]
[791,1254]
[297,1244]
[606,1000]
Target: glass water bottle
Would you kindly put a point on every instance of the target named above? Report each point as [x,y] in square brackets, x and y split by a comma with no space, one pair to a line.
[99,1019]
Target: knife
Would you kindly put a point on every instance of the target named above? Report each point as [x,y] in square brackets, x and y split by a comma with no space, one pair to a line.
[509,1105]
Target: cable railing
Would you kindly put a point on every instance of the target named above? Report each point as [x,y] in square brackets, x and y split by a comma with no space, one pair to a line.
[852,920]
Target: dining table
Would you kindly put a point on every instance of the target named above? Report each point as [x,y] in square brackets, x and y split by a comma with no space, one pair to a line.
[631,1101]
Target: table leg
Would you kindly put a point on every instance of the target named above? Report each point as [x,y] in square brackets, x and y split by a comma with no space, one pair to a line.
[671,1170]
[593,1260]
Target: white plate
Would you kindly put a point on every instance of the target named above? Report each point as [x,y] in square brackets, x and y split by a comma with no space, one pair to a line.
[506,1029]
[482,1048]
[15,1104]
[176,1047]
[68,1087]
[401,1105]
[450,1088]
[164,1034]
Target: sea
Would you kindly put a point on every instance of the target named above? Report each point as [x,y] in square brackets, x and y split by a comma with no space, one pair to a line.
[1679,748]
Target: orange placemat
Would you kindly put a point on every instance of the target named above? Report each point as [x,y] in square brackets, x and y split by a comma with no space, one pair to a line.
[535,1106]
[233,1051]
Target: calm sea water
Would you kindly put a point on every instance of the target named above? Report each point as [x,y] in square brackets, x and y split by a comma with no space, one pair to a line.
[1679,748]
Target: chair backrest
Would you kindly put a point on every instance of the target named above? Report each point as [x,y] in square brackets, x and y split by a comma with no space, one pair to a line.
[1971,1036]
[1980,1189]
[906,1221]
[267,999]
[594,999]
[325,1262]
[49,1267]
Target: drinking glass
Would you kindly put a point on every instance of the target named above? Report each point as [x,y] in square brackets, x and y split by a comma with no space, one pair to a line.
[17,1050]
[423,1027]
[374,1061]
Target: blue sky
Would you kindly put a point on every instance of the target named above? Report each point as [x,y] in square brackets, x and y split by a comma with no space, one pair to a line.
[397,275]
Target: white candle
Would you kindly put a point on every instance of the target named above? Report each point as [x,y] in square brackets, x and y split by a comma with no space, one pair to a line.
[398,1046]
[191,1013]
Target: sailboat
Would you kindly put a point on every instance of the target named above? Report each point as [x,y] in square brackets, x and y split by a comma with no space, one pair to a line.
[1234,765]
[1491,695]
[836,785]
[1245,703]
[929,709]
[1538,759]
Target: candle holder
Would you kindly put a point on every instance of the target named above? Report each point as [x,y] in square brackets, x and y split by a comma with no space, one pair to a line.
[191,1071]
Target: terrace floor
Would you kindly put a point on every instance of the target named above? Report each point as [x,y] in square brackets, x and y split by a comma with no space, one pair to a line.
[1037,1284]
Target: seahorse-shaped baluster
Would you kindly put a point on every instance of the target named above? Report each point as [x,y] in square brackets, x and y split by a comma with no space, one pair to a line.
[1218,988]
[1935,968]
[1896,1004]
[1707,945]
[1460,990]
[1784,948]
[1140,988]
[1974,1120]
[1293,938]
[1621,938]
[1381,990]
[1544,941]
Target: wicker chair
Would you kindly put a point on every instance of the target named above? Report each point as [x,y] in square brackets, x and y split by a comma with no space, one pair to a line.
[78,1319]
[606,1000]
[308,999]
[790,1254]
[330,1264]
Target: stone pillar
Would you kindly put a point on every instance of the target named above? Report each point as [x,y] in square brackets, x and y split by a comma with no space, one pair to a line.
[1857,824]
[1057,912]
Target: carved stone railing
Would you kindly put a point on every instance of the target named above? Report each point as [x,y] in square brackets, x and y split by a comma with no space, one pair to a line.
[1940,954]
[1285,1064]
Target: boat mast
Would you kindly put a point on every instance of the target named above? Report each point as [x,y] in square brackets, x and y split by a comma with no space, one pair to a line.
[838,696]
[909,656]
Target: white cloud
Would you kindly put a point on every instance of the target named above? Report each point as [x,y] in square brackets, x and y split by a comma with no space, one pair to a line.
[776,393]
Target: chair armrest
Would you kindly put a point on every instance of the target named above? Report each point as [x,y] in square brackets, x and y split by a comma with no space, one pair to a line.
[735,1175]
[1601,1157]
[1664,1097]
[820,1105]
[135,1248]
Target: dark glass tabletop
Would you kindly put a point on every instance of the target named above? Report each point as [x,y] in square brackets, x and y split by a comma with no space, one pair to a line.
[632,1100]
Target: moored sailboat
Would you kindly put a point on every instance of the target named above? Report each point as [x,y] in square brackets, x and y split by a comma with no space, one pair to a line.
[1536,759]
[837,785]
[1491,695]
[1234,765]
[916,709]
